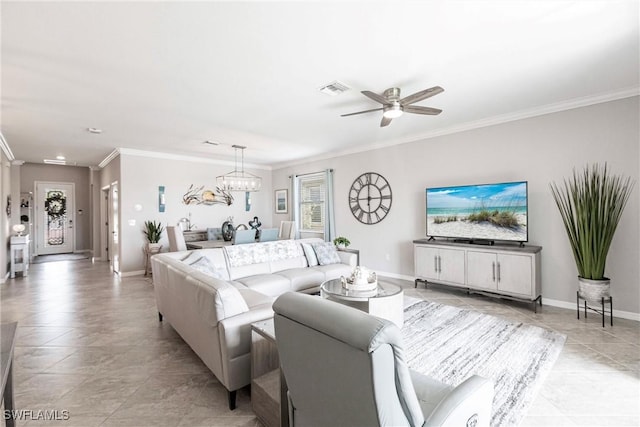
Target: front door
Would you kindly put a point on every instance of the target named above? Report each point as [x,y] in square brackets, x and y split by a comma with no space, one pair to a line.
[54,215]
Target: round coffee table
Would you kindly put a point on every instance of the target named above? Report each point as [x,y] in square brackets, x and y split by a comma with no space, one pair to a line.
[386,303]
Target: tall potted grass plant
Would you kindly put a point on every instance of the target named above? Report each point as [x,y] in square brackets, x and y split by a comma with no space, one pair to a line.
[591,204]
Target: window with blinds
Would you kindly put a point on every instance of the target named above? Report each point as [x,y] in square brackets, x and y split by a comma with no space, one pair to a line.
[312,202]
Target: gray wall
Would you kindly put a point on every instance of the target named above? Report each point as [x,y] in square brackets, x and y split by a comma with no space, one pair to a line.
[31,172]
[5,190]
[539,149]
[140,179]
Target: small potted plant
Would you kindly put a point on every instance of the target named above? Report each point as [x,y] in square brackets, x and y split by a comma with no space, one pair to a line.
[341,242]
[153,232]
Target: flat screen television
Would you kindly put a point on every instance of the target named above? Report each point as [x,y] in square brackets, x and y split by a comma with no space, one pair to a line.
[487,212]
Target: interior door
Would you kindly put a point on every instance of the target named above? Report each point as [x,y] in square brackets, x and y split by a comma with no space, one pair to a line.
[114,247]
[54,217]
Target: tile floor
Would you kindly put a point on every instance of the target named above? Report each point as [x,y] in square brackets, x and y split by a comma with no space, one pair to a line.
[90,343]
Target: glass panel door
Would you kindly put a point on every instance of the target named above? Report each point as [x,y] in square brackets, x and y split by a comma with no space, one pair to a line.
[54,215]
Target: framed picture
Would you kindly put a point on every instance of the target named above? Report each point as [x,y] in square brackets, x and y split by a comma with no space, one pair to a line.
[282,201]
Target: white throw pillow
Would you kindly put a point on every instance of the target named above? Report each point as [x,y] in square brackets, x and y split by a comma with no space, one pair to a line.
[205,266]
[326,253]
[312,259]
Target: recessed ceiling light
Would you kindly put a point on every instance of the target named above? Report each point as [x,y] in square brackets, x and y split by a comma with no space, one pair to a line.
[60,157]
[94,130]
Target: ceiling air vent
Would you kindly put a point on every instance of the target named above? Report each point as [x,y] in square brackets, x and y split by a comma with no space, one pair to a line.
[334,88]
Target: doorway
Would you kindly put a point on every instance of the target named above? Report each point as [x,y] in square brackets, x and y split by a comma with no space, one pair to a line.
[109,236]
[54,217]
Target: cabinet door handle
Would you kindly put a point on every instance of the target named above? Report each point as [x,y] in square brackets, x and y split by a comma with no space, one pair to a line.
[493,268]
[435,263]
[498,271]
[439,264]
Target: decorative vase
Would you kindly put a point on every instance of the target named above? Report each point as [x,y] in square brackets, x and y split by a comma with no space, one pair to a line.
[228,231]
[594,290]
[154,248]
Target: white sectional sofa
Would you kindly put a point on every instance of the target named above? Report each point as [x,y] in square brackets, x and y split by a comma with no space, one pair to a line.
[211,296]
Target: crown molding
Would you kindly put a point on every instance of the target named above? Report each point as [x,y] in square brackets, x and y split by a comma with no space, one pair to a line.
[115,153]
[477,124]
[4,145]
[170,156]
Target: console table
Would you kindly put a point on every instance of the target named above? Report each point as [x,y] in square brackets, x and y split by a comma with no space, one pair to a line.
[352,251]
[506,271]
[19,255]
[206,244]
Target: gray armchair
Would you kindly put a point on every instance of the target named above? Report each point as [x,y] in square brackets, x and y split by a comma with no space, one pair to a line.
[345,367]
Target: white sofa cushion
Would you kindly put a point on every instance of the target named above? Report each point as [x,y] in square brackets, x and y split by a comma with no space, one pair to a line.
[267,284]
[247,254]
[285,254]
[334,271]
[303,278]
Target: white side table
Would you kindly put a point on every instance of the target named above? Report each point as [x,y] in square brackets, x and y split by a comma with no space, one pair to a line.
[19,255]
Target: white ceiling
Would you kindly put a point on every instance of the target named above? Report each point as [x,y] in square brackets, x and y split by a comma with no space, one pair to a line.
[167,76]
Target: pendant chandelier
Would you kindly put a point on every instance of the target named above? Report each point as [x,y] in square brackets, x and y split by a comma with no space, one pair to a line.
[239,180]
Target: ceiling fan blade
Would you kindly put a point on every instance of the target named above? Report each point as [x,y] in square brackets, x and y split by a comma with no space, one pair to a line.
[378,98]
[419,96]
[385,121]
[360,112]
[422,110]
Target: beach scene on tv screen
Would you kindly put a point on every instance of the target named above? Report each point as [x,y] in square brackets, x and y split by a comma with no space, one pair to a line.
[492,212]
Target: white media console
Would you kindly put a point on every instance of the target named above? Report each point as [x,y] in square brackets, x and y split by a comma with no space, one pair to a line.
[503,271]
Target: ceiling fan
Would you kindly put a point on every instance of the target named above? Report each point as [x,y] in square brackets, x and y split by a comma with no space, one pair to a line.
[393,106]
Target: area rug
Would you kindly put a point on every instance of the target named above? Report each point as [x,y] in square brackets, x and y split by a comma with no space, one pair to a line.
[40,259]
[451,344]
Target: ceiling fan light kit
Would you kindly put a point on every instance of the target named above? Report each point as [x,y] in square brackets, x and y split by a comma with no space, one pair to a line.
[393,106]
[392,111]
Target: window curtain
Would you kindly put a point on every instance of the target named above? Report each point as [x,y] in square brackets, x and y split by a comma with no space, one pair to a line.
[294,186]
[330,219]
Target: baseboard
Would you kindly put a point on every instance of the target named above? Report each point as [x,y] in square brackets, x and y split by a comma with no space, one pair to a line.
[572,306]
[545,301]
[4,279]
[132,273]
[395,276]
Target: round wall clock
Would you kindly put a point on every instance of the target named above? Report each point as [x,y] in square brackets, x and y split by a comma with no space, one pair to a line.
[370,198]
